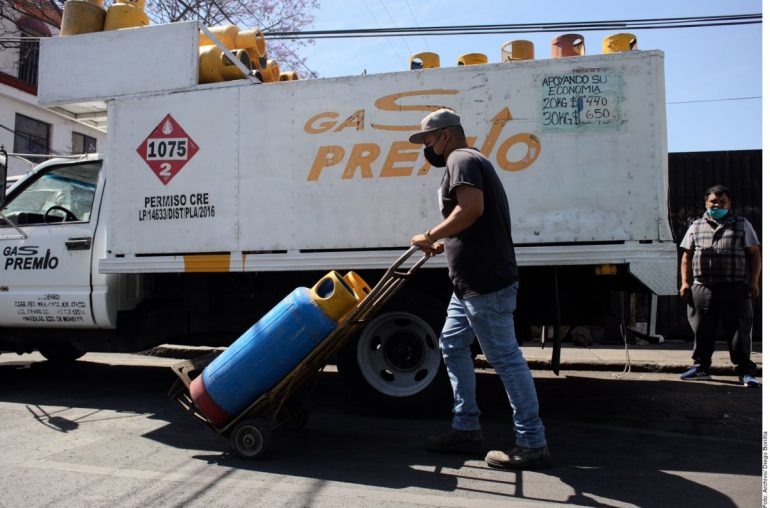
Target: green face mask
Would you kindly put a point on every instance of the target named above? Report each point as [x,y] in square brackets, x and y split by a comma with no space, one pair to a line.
[717,213]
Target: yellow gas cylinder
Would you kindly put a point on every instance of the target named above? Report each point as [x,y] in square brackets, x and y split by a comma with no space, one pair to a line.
[513,51]
[425,60]
[333,295]
[271,72]
[359,286]
[234,38]
[619,43]
[568,45]
[126,14]
[288,76]
[225,33]
[254,43]
[82,17]
[214,66]
[472,59]
[251,40]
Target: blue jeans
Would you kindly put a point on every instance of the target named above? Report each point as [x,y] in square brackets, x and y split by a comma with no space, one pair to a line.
[489,317]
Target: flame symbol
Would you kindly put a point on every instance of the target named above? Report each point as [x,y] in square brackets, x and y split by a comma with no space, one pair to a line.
[167,127]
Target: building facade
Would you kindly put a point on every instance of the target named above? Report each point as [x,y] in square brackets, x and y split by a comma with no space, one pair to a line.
[26,128]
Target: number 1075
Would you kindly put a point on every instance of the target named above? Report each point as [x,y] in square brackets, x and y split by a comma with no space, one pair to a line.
[167,149]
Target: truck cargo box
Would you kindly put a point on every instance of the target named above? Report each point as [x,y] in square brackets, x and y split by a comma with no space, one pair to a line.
[242,176]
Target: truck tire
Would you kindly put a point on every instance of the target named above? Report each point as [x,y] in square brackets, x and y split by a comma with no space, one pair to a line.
[394,366]
[61,353]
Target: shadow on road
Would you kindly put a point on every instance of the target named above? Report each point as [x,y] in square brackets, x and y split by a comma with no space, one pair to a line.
[642,442]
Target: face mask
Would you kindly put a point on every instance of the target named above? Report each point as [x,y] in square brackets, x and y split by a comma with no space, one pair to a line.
[717,213]
[438,161]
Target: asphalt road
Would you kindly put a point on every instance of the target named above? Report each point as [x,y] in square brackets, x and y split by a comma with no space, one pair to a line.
[102,432]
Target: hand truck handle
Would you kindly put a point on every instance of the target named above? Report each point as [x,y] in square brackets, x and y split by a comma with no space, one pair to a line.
[395,269]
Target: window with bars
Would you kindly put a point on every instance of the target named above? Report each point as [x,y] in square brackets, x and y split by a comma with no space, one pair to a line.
[29,50]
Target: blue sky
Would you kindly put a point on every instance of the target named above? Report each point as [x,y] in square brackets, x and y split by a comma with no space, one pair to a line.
[710,72]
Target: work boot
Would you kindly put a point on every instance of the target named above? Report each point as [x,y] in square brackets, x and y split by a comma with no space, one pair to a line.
[456,441]
[519,458]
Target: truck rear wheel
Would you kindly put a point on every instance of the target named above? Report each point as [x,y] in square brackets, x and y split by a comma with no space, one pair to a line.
[394,366]
[61,353]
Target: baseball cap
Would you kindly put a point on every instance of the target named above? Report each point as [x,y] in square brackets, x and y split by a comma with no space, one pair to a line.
[439,119]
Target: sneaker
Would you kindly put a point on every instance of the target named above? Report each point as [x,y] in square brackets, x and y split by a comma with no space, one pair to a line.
[695,374]
[519,458]
[457,441]
[749,381]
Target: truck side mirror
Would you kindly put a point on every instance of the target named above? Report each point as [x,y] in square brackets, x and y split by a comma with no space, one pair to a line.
[3,173]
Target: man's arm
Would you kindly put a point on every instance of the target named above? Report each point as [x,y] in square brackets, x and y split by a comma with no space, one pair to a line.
[755,268]
[685,270]
[470,206]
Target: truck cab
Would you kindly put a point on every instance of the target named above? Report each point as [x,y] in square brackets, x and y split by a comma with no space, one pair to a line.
[49,226]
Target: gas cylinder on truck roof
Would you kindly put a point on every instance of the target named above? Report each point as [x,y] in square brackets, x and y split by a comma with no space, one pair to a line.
[234,38]
[472,59]
[126,14]
[82,17]
[214,66]
[288,76]
[424,60]
[513,51]
[271,72]
[568,45]
[619,43]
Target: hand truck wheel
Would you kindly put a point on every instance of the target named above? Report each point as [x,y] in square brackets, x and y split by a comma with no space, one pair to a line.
[251,439]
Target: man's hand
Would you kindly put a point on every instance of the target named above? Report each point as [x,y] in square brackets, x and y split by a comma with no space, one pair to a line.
[437,248]
[426,246]
[684,291]
[753,291]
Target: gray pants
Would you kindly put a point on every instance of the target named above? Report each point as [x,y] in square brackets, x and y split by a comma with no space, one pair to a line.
[731,303]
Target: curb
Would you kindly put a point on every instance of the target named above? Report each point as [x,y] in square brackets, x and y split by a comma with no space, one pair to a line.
[604,366]
[189,352]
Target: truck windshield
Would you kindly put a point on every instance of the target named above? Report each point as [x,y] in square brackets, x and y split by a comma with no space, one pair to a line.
[63,194]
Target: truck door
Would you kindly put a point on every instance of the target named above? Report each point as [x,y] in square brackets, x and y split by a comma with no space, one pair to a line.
[47,229]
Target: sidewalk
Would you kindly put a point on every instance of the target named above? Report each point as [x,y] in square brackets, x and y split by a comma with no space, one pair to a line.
[673,357]
[670,357]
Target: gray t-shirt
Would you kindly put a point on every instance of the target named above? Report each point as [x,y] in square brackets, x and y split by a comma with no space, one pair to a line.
[481,258]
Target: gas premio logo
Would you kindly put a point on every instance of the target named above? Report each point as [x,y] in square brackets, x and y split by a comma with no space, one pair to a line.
[167,149]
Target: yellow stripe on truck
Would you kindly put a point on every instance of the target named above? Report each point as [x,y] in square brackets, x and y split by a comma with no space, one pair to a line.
[207,263]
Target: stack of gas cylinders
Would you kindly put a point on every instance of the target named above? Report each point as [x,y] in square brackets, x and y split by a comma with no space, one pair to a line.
[245,46]
[517,50]
[248,46]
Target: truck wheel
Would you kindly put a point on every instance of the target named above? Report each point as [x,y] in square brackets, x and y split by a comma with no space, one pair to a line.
[61,353]
[394,366]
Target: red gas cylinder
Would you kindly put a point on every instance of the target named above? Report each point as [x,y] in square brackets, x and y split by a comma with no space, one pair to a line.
[568,45]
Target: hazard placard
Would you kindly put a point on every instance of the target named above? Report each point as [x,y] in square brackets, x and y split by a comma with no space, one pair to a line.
[167,149]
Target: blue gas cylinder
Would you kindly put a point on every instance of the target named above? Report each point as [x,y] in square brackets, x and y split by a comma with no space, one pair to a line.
[270,349]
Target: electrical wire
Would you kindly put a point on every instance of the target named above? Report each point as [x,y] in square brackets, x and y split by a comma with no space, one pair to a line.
[411,12]
[395,51]
[631,24]
[716,100]
[387,11]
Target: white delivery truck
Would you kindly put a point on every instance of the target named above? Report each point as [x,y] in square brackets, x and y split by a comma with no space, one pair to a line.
[214,201]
